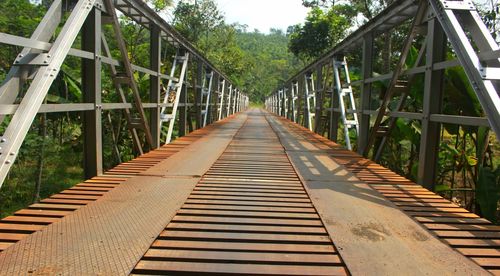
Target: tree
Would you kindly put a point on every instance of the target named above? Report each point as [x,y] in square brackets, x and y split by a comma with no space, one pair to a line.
[160,5]
[194,20]
[321,31]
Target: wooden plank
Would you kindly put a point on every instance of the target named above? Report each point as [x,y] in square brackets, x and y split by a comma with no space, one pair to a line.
[42,213]
[82,192]
[248,208]
[47,206]
[12,236]
[5,245]
[253,214]
[245,246]
[30,219]
[84,187]
[146,266]
[252,186]
[97,186]
[20,227]
[260,237]
[252,183]
[425,219]
[487,262]
[248,198]
[471,227]
[257,221]
[78,197]
[479,252]
[468,234]
[247,228]
[426,204]
[453,209]
[246,190]
[442,214]
[269,257]
[249,203]
[473,242]
[66,201]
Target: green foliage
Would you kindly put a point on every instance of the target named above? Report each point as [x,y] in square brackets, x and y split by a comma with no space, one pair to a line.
[487,192]
[194,20]
[254,61]
[17,17]
[62,168]
[269,62]
[321,31]
[160,5]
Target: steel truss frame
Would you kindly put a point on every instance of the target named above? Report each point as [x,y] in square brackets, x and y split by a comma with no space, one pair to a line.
[39,63]
[455,21]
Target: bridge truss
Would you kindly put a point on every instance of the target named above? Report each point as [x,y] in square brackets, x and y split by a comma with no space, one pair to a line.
[433,24]
[173,97]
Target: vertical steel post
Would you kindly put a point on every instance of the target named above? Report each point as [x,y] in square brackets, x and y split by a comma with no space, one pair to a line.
[91,87]
[320,95]
[198,93]
[154,84]
[307,102]
[183,108]
[334,113]
[300,110]
[229,99]
[366,91]
[432,103]
[215,98]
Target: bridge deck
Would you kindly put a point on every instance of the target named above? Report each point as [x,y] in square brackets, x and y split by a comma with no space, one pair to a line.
[252,194]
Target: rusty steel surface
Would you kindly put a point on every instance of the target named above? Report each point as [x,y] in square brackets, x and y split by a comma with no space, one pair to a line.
[109,236]
[247,195]
[465,232]
[34,218]
[249,214]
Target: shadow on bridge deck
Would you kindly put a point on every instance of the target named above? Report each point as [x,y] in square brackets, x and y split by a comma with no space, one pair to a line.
[253,194]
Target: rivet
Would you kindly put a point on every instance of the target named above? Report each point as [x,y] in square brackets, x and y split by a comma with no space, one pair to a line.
[7,161]
[3,140]
[13,153]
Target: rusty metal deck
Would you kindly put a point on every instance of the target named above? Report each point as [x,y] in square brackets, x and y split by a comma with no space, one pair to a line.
[249,214]
[253,194]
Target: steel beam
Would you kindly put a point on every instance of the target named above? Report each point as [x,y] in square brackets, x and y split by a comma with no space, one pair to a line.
[366,92]
[183,108]
[199,93]
[91,87]
[17,76]
[432,104]
[154,85]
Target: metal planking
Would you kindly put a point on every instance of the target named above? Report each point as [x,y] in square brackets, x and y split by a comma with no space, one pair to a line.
[469,234]
[249,214]
[111,235]
[49,210]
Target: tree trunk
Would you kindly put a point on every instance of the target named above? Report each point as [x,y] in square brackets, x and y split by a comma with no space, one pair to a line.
[43,134]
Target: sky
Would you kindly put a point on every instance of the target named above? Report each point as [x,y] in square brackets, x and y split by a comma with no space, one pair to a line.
[263,14]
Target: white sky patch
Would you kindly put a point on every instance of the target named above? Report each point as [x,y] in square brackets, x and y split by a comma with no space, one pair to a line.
[263,14]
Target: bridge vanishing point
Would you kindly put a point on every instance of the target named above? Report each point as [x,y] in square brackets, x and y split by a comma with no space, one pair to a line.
[246,191]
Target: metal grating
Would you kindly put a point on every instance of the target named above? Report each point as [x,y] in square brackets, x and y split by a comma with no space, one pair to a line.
[249,214]
[469,234]
[37,216]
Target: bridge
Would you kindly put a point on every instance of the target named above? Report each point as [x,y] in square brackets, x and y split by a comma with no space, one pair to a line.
[248,191]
